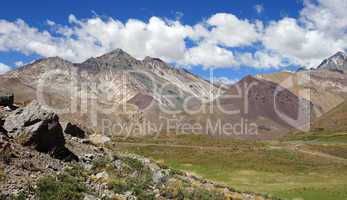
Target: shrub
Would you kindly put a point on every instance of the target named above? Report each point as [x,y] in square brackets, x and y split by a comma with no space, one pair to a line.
[2,175]
[62,187]
[203,194]
[174,189]
[20,196]
[118,185]
[133,163]
[100,164]
[77,171]
[140,185]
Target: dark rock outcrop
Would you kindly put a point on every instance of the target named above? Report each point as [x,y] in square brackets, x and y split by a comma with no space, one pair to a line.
[6,99]
[74,130]
[2,130]
[35,126]
[39,128]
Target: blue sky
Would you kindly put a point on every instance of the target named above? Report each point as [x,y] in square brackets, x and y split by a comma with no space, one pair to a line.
[273,16]
[193,11]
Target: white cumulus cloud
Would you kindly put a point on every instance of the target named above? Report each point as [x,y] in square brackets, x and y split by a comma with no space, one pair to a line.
[230,31]
[222,40]
[4,68]
[327,16]
[263,59]
[209,55]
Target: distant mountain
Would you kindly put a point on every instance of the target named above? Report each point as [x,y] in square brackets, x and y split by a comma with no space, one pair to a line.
[263,102]
[140,76]
[146,88]
[336,62]
[325,87]
[115,78]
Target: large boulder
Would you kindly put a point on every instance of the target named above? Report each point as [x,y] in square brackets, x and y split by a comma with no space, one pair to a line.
[35,126]
[74,130]
[6,99]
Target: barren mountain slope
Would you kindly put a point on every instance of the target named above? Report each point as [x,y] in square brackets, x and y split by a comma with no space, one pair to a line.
[120,94]
[97,88]
[274,109]
[326,86]
[334,120]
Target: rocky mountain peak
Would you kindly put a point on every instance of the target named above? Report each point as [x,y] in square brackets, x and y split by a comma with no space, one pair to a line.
[151,59]
[116,54]
[115,59]
[338,61]
[157,63]
[42,65]
[340,54]
[154,62]
[248,79]
[51,60]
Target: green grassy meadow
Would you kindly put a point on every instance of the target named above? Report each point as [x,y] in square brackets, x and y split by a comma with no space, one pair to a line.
[313,172]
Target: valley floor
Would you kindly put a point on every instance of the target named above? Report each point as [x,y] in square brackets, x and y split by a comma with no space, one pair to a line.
[311,168]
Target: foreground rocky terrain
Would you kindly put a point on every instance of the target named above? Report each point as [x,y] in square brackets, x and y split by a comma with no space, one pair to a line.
[40,160]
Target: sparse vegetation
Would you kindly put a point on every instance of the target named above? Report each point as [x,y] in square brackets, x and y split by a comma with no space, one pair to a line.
[338,150]
[318,136]
[68,185]
[20,196]
[203,194]
[2,174]
[135,164]
[176,189]
[139,184]
[118,185]
[100,163]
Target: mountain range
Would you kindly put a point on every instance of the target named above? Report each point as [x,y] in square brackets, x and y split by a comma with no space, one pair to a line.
[121,90]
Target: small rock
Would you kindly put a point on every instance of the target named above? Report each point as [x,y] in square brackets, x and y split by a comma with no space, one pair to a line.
[107,194]
[98,139]
[90,197]
[120,197]
[74,130]
[118,164]
[85,141]
[129,196]
[89,156]
[160,176]
[87,160]
[208,186]
[54,168]
[102,176]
